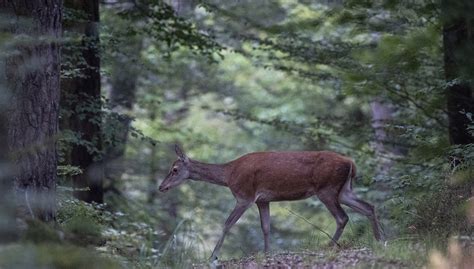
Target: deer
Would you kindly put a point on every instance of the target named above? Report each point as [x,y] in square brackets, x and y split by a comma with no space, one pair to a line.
[264,177]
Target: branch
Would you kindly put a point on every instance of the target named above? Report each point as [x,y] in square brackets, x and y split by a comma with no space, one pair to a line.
[314,225]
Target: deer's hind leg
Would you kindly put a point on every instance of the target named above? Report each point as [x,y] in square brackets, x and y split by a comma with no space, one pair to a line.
[331,202]
[348,197]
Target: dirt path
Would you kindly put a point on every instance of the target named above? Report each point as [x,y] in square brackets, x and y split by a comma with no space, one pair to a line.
[340,259]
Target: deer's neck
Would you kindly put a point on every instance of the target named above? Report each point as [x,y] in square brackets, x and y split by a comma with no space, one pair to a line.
[212,173]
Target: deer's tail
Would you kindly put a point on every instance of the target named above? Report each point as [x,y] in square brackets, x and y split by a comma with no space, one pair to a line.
[351,176]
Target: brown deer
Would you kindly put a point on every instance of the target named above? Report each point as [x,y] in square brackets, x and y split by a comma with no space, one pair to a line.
[264,177]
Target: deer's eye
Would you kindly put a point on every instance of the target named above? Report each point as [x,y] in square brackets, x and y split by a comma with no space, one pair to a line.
[175,170]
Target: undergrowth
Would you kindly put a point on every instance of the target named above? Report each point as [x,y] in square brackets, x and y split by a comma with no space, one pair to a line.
[130,234]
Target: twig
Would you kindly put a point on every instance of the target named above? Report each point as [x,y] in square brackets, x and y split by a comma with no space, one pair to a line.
[312,224]
[28,204]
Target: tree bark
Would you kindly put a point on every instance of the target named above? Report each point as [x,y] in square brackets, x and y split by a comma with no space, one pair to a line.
[32,79]
[8,231]
[81,96]
[458,39]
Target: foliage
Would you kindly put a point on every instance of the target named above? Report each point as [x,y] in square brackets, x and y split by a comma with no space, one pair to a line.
[82,223]
[40,232]
[52,256]
[442,212]
[162,24]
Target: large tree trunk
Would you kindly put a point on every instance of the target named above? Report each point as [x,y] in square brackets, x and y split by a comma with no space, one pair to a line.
[33,75]
[458,39]
[81,96]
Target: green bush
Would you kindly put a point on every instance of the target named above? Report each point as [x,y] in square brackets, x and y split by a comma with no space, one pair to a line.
[82,223]
[83,231]
[69,208]
[442,213]
[40,232]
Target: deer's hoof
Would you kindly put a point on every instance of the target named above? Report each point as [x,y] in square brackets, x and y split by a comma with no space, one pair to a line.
[333,245]
[214,262]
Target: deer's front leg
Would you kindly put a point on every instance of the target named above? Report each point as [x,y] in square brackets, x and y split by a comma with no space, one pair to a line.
[239,209]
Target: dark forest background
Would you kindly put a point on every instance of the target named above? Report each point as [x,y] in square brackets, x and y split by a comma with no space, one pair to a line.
[94,95]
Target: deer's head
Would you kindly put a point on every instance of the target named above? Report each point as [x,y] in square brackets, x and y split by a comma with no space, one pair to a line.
[178,172]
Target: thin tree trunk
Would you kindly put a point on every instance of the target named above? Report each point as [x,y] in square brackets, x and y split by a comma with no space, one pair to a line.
[122,98]
[383,144]
[32,76]
[82,98]
[384,141]
[153,171]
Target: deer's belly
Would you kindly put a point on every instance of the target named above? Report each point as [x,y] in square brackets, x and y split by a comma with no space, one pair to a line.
[288,195]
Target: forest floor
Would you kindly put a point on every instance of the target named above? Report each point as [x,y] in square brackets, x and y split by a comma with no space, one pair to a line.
[324,259]
[459,253]
[90,236]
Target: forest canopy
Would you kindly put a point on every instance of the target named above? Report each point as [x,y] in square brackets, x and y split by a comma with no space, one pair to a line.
[100,101]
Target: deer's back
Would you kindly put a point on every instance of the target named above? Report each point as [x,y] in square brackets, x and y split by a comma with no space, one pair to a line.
[276,176]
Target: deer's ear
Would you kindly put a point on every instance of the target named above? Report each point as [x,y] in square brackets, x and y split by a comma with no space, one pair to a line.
[180,153]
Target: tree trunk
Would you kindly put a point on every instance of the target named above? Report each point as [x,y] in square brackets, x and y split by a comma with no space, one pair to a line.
[384,142]
[122,97]
[384,146]
[458,39]
[81,97]
[32,78]
[183,7]
[153,171]
[8,230]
